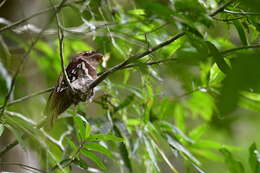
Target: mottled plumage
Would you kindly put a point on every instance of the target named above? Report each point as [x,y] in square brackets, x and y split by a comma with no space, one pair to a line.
[81,72]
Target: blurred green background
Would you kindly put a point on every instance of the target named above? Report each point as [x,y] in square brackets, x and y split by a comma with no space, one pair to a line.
[191,106]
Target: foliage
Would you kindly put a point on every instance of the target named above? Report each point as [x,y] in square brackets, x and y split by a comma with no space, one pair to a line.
[177,109]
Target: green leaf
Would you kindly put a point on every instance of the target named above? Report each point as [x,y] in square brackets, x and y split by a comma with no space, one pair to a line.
[94,158]
[105,137]
[233,165]
[179,117]
[218,58]
[241,32]
[254,158]
[137,12]
[201,103]
[179,147]
[81,163]
[79,124]
[124,152]
[198,131]
[151,152]
[87,130]
[99,148]
[1,129]
[128,100]
[243,77]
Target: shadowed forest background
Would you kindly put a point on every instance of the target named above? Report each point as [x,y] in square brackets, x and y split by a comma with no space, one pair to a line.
[179,86]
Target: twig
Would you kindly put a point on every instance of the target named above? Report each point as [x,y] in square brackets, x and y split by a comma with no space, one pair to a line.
[28,97]
[239,48]
[8,147]
[24,58]
[150,63]
[240,12]
[61,46]
[2,3]
[22,165]
[227,20]
[221,8]
[13,25]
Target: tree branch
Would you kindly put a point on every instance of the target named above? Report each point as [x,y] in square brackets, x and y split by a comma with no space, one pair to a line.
[61,46]
[240,12]
[132,59]
[15,24]
[221,8]
[23,166]
[240,48]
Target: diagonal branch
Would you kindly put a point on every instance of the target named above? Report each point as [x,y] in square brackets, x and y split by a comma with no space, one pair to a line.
[23,166]
[241,12]
[221,8]
[15,24]
[133,58]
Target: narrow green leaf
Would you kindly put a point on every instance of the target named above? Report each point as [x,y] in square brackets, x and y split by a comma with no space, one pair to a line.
[151,152]
[99,148]
[1,129]
[71,144]
[233,165]
[81,163]
[124,152]
[137,12]
[79,126]
[198,131]
[87,130]
[129,99]
[254,158]
[105,137]
[179,147]
[241,32]
[218,58]
[179,117]
[94,158]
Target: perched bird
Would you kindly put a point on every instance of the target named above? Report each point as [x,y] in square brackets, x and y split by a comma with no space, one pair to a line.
[81,72]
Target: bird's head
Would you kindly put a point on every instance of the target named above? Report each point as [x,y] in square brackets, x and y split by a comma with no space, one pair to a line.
[92,57]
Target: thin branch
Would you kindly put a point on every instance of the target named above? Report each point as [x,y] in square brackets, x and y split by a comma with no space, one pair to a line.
[21,99]
[240,12]
[8,147]
[2,3]
[227,20]
[150,63]
[240,48]
[15,24]
[22,165]
[221,8]
[61,46]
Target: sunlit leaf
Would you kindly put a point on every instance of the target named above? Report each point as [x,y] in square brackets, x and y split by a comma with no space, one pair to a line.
[81,163]
[1,129]
[99,148]
[233,165]
[241,31]
[94,158]
[254,158]
[105,137]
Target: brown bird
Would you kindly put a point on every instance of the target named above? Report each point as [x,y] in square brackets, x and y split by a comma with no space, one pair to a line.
[81,72]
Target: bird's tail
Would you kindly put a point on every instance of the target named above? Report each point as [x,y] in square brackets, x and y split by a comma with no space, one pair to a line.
[57,103]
